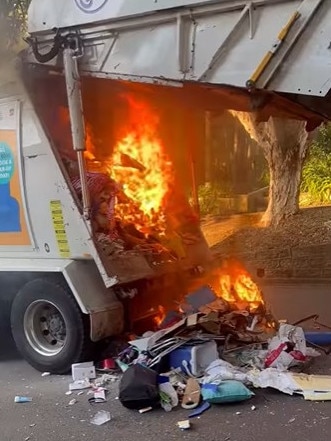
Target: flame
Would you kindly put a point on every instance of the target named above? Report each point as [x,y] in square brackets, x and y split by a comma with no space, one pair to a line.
[158,319]
[234,284]
[140,165]
[89,152]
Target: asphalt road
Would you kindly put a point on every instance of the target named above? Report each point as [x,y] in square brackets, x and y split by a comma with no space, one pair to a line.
[50,418]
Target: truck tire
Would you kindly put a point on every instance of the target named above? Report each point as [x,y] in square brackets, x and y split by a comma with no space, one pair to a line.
[48,327]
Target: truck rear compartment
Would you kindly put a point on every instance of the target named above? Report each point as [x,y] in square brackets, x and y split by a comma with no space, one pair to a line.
[142,222]
[145,149]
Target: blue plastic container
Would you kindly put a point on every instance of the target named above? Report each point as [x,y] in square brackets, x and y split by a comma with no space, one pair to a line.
[194,359]
[318,338]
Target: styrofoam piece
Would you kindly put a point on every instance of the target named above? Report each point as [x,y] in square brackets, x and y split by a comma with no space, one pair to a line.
[79,385]
[81,371]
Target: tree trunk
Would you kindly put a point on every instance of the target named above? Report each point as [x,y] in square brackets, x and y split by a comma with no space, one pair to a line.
[285,177]
[285,143]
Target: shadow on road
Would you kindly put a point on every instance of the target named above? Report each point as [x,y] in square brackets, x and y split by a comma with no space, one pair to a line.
[8,349]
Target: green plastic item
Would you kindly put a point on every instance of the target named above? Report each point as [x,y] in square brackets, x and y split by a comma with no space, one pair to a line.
[124,367]
[229,391]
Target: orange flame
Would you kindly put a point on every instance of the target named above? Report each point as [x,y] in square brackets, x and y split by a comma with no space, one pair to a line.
[140,165]
[235,285]
[158,319]
[89,152]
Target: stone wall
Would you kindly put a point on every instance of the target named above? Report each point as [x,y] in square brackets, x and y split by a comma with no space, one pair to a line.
[305,262]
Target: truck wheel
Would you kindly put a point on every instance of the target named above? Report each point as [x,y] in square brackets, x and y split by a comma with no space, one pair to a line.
[48,328]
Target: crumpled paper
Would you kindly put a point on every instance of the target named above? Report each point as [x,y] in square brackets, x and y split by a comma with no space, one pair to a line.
[312,387]
[273,378]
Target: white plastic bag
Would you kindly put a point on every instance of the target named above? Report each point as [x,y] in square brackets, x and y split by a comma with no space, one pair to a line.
[220,370]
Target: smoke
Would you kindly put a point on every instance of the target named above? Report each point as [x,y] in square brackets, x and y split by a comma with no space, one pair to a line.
[9,72]
[13,15]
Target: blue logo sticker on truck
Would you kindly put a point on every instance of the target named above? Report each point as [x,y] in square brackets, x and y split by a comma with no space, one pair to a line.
[9,207]
[90,6]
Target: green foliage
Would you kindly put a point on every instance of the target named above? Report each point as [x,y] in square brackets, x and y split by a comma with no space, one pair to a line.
[316,174]
[264,179]
[261,177]
[209,196]
[322,142]
[13,14]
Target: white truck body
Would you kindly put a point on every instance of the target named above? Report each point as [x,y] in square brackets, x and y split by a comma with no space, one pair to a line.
[211,41]
[278,46]
[36,247]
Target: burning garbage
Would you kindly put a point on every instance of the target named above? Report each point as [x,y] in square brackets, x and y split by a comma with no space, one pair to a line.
[141,166]
[214,339]
[137,205]
[221,343]
[217,347]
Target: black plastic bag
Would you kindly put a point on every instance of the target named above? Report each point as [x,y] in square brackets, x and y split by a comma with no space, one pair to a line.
[138,388]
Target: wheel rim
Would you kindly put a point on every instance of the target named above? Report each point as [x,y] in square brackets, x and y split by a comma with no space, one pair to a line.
[45,328]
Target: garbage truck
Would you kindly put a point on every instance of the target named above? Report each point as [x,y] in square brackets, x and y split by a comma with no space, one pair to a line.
[93,222]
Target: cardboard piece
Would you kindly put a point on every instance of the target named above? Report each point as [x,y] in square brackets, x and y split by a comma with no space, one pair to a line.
[313,387]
